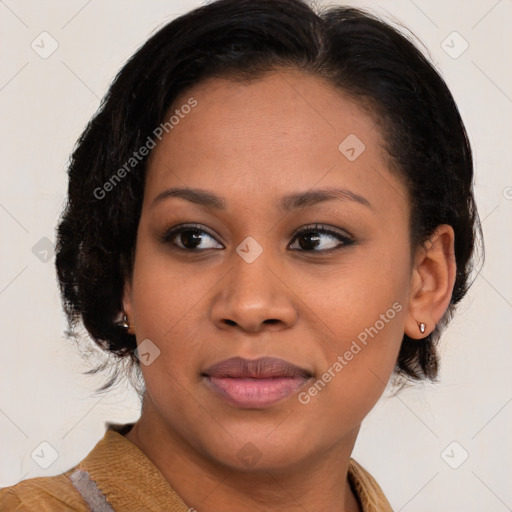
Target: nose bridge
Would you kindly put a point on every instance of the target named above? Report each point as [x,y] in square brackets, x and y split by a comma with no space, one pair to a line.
[252,279]
[252,284]
[253,295]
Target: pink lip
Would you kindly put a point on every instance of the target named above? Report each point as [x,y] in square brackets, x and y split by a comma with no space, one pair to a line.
[255,383]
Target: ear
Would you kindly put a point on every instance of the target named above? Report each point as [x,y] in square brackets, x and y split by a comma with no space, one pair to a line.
[128,306]
[432,281]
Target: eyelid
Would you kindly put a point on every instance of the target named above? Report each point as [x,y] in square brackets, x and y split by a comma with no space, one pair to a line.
[323,228]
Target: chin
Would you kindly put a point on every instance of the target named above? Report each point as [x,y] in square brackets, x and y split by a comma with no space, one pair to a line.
[260,450]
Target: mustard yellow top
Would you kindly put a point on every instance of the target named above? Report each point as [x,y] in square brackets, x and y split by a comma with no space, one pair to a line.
[117,476]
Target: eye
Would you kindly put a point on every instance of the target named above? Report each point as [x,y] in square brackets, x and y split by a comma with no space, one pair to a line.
[318,238]
[191,238]
[315,238]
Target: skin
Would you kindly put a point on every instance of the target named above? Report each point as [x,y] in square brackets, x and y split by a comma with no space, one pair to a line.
[252,143]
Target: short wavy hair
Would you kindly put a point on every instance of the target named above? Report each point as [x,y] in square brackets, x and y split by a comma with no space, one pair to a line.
[366,58]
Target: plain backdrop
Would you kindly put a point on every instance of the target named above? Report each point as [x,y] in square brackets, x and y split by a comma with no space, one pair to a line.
[443,447]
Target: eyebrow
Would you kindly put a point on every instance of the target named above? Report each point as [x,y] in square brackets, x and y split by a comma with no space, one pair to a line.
[287,203]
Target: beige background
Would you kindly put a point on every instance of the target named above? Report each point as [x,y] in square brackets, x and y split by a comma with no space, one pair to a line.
[406,440]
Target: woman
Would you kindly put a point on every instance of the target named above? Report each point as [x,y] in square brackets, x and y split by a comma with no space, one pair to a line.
[273,212]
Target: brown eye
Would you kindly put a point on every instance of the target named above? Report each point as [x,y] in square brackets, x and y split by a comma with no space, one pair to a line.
[319,239]
[190,238]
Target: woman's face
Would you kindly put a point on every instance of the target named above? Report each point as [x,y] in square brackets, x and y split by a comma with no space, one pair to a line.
[294,246]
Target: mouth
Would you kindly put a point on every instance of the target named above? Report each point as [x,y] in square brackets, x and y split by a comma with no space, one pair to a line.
[255,383]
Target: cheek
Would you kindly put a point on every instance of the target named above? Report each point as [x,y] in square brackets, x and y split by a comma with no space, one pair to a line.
[167,301]
[165,292]
[359,356]
[368,290]
[360,312]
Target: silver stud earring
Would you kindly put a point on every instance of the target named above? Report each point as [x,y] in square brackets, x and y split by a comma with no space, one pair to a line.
[422,327]
[124,323]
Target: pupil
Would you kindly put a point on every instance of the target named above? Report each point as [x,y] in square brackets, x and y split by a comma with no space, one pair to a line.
[190,239]
[311,241]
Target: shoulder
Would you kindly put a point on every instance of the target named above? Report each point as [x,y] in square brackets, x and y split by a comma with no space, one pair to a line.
[43,494]
[367,489]
[70,491]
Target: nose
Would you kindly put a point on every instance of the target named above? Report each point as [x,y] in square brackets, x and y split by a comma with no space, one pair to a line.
[253,297]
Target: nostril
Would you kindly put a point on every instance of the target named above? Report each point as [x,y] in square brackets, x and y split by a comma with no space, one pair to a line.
[271,321]
[230,322]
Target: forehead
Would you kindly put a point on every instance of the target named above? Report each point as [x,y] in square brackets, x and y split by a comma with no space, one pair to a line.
[283,132]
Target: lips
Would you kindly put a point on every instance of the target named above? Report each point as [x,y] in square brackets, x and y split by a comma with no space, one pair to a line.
[255,383]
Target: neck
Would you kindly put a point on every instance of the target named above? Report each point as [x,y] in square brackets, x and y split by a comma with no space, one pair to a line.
[318,483]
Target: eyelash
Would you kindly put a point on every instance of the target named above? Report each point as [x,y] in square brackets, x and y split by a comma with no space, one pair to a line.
[345,239]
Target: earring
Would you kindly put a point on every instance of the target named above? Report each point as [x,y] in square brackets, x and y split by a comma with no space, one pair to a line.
[124,322]
[126,325]
[422,327]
